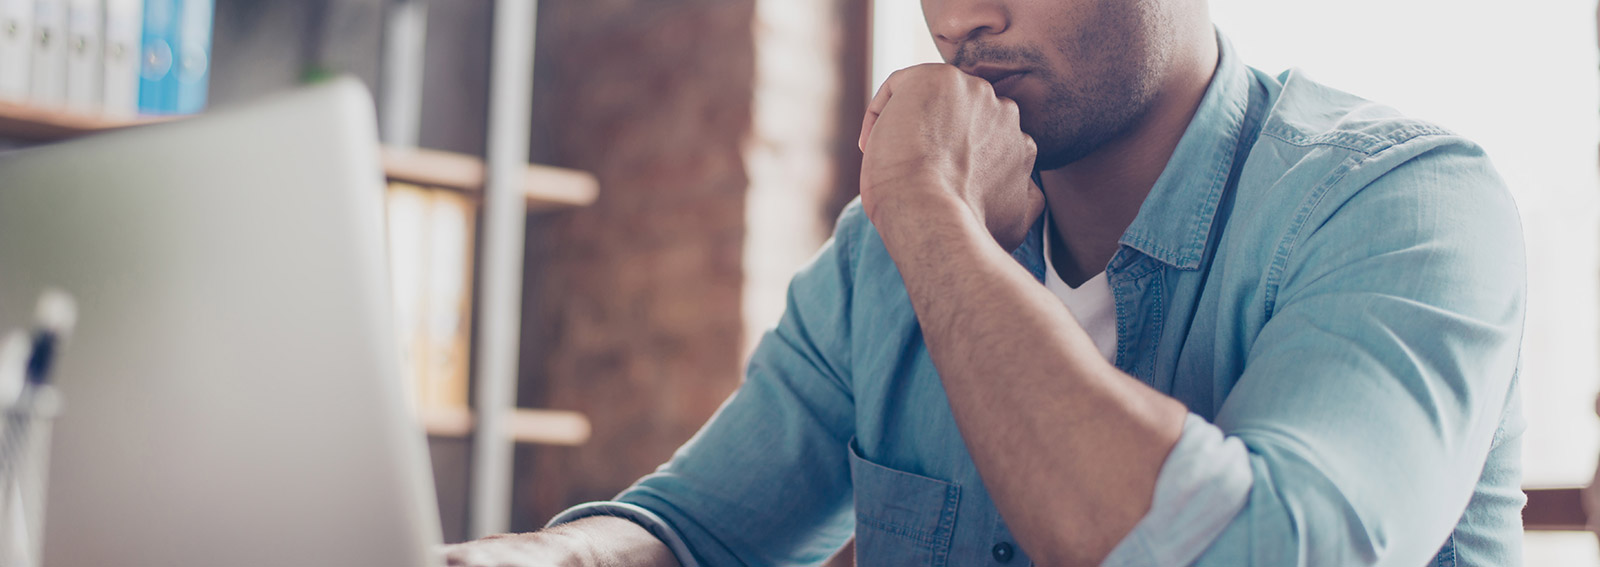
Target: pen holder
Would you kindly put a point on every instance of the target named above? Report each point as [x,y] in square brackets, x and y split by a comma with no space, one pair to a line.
[24,463]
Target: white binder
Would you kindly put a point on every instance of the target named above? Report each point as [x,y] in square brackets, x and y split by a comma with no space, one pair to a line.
[16,48]
[124,26]
[84,54]
[49,84]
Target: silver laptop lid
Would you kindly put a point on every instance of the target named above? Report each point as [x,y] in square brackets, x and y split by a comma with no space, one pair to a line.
[232,392]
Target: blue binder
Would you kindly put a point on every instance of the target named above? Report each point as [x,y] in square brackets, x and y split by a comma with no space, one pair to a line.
[175,61]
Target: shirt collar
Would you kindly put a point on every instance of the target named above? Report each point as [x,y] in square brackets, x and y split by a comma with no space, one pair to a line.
[1175,220]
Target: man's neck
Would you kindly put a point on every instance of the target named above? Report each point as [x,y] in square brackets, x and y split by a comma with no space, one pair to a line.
[1093,200]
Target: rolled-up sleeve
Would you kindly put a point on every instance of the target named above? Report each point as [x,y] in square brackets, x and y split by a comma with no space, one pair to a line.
[767,480]
[644,518]
[1370,399]
[1202,485]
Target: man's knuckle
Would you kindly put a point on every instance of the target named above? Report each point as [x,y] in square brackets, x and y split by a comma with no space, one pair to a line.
[917,71]
[939,73]
[968,80]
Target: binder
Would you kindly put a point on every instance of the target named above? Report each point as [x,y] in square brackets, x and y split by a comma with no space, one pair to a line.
[124,21]
[49,81]
[194,49]
[175,63]
[84,54]
[16,48]
[157,83]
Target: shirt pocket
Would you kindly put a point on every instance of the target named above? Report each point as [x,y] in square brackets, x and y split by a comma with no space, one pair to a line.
[901,518]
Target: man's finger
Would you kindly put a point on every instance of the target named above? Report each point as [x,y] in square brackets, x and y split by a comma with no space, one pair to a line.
[875,108]
[880,100]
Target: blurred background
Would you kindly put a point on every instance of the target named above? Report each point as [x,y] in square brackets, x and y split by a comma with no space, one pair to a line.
[721,137]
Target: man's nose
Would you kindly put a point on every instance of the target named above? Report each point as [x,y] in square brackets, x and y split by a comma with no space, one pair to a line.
[954,22]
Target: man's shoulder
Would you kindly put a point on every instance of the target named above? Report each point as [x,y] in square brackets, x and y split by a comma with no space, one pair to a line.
[1308,114]
[1320,144]
[1324,153]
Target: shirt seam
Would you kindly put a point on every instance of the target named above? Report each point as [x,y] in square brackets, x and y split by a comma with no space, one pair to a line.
[1360,142]
[921,537]
[1293,236]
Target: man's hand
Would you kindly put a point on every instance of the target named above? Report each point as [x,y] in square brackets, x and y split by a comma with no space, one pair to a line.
[596,540]
[537,549]
[934,135]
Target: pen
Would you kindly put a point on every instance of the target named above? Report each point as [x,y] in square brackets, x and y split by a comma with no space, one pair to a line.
[54,319]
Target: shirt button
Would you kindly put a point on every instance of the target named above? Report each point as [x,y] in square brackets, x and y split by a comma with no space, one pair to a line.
[1002,552]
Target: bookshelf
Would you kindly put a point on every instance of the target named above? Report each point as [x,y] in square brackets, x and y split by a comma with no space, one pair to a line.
[544,427]
[34,124]
[546,188]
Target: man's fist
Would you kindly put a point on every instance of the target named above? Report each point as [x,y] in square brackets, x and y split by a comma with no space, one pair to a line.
[935,133]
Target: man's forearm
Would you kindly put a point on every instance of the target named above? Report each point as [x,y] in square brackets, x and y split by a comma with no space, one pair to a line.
[595,541]
[1069,446]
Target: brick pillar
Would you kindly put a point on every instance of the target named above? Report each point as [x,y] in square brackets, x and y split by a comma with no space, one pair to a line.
[633,311]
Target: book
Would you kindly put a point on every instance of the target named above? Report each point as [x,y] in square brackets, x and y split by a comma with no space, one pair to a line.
[85,27]
[124,20]
[48,80]
[452,220]
[431,248]
[16,48]
[407,213]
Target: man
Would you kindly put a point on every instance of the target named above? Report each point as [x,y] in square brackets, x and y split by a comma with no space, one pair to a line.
[1278,325]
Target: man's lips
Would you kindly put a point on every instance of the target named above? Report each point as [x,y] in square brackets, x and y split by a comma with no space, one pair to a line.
[1004,85]
[1002,78]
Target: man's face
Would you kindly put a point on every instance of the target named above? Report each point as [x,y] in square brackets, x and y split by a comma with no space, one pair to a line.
[1082,72]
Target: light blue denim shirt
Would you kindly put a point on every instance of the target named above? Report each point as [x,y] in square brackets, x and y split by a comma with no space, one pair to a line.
[1335,291]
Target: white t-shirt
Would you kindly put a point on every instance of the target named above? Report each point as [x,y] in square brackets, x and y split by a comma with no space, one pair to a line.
[1212,468]
[1091,303]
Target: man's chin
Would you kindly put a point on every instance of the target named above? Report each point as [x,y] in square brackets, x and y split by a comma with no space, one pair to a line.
[1061,150]
[1058,147]
[1058,156]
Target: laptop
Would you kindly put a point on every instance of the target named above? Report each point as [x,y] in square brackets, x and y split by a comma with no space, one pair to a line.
[232,393]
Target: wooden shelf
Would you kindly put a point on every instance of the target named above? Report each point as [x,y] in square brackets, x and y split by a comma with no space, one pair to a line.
[38,124]
[547,188]
[547,427]
[1555,509]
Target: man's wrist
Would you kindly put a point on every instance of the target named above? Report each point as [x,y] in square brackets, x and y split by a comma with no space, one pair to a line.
[917,220]
[586,542]
[598,541]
